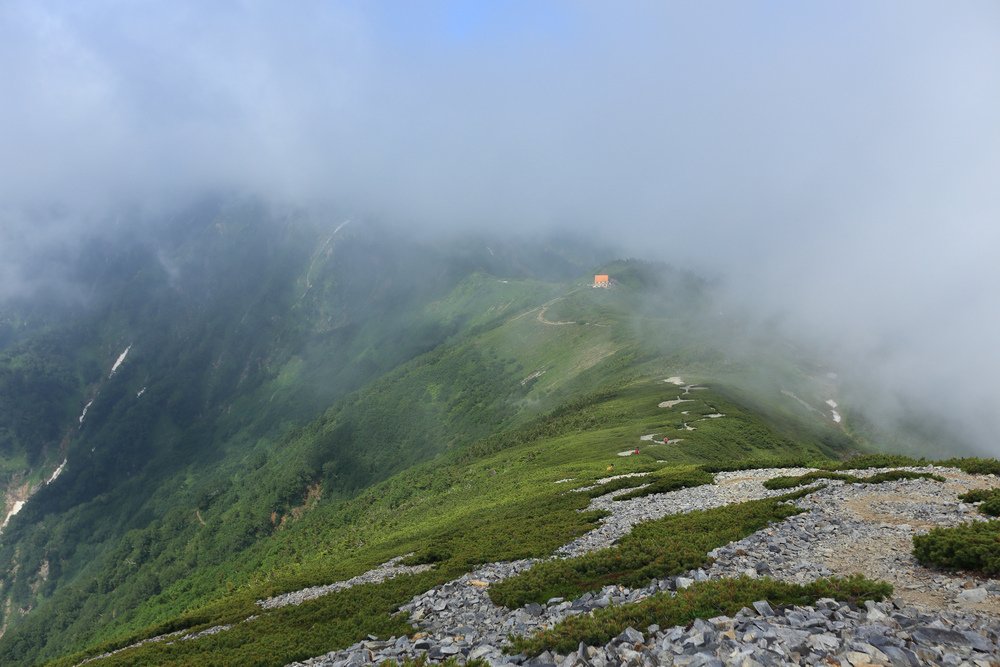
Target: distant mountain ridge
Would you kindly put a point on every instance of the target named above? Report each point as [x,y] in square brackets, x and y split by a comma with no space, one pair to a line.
[298,394]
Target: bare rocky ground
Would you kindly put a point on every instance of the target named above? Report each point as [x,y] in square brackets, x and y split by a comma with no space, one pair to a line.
[934,618]
[868,529]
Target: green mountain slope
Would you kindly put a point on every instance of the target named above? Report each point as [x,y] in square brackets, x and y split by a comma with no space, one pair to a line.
[496,500]
[459,383]
[239,329]
[236,519]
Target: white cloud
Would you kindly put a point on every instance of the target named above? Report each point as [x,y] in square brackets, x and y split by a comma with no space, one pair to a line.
[837,161]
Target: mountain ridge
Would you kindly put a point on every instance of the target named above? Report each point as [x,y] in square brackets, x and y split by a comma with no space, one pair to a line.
[405,389]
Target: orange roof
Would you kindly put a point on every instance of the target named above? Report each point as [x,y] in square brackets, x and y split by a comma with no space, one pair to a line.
[600,278]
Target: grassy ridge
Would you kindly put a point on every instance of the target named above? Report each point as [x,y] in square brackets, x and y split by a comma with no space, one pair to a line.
[457,511]
[193,537]
[273,516]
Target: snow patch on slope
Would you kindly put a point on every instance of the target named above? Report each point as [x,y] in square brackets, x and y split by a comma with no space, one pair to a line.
[14,510]
[834,415]
[83,415]
[119,361]
[56,472]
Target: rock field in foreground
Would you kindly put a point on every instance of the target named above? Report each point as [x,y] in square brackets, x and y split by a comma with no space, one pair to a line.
[935,618]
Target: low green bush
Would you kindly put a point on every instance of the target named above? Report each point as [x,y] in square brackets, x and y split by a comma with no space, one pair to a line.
[971,546]
[671,481]
[977,495]
[700,600]
[970,465]
[991,507]
[990,499]
[760,463]
[896,475]
[859,462]
[616,485]
[789,482]
[863,461]
[973,465]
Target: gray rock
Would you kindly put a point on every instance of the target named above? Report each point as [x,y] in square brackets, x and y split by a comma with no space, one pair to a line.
[931,636]
[899,657]
[978,642]
[631,636]
[973,595]
[792,638]
[823,643]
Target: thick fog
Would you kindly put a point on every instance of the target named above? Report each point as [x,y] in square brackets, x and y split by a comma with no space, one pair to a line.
[835,164]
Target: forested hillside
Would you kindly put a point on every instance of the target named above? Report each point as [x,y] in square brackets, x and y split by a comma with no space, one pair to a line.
[186,359]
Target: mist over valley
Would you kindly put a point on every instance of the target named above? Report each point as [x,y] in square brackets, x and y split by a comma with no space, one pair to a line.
[499,333]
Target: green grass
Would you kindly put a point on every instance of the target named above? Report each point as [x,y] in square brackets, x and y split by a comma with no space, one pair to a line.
[971,546]
[520,528]
[789,482]
[495,499]
[700,600]
[655,549]
[456,512]
[990,499]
